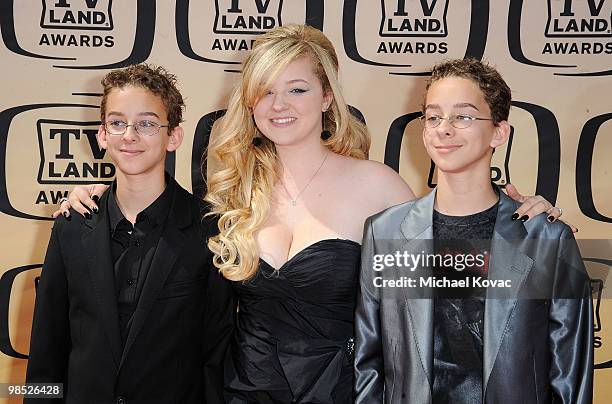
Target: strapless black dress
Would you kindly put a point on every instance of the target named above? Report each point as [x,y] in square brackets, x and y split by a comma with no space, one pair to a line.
[293,342]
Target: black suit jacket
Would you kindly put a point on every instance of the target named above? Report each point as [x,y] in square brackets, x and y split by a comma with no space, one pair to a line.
[180,328]
[538,334]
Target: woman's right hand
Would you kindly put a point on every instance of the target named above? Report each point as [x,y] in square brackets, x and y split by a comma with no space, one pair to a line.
[83,199]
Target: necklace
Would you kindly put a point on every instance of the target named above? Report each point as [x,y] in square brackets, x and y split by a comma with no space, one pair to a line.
[294,200]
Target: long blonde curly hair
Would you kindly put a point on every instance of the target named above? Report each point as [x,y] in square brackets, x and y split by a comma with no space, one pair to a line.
[239,191]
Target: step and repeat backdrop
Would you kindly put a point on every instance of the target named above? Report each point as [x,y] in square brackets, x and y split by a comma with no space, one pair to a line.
[555,54]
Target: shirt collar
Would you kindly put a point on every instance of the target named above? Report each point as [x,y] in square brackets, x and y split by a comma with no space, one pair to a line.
[154,214]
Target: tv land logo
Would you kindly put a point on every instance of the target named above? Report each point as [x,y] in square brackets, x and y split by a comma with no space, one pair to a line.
[226,36]
[81,15]
[577,34]
[238,17]
[60,163]
[68,154]
[423,18]
[578,19]
[419,31]
[72,32]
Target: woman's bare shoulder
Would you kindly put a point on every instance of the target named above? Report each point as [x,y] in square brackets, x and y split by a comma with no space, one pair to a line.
[380,179]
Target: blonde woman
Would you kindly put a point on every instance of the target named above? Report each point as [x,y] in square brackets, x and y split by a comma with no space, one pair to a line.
[291,196]
[291,203]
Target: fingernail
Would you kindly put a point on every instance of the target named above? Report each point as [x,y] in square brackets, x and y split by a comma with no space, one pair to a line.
[94,198]
[551,218]
[95,209]
[515,216]
[65,214]
[87,215]
[524,218]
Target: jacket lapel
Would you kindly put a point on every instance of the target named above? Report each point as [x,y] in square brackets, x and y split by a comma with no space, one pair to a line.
[507,263]
[96,242]
[418,231]
[169,247]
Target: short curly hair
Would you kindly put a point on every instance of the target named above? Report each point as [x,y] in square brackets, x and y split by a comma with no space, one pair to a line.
[496,92]
[153,78]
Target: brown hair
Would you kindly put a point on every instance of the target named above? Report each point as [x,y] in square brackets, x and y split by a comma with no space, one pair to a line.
[156,79]
[496,92]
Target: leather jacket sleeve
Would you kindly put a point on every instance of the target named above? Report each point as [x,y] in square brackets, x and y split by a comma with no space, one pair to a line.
[369,369]
[571,327]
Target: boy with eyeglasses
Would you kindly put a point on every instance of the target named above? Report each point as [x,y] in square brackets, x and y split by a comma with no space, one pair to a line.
[129,308]
[487,308]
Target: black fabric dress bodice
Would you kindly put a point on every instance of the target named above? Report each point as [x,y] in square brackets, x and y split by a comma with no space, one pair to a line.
[293,341]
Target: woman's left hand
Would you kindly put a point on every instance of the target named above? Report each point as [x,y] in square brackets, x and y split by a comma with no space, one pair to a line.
[534,205]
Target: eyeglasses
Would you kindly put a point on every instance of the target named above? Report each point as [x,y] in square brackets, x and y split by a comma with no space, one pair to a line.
[144,128]
[460,121]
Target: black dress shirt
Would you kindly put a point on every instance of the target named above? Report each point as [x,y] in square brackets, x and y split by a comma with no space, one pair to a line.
[133,248]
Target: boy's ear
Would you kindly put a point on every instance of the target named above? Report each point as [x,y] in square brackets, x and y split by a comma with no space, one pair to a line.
[101,137]
[176,139]
[501,134]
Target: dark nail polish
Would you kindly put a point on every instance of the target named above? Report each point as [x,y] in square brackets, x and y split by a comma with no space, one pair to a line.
[94,198]
[87,215]
[515,216]
[65,214]
[551,218]
[95,209]
[524,218]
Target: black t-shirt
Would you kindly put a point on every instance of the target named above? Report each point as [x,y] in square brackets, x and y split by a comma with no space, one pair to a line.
[459,311]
